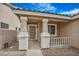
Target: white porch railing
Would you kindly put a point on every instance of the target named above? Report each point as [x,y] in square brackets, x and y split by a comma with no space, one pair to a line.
[60,41]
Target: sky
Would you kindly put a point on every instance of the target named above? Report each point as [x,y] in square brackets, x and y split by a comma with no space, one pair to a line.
[60,8]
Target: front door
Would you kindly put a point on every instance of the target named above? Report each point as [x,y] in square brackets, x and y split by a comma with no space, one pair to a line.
[32,32]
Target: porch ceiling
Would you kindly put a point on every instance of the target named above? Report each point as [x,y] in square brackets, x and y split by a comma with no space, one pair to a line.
[36,19]
[58,20]
[33,19]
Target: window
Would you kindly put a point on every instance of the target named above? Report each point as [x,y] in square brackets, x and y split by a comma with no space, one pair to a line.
[52,29]
[4,25]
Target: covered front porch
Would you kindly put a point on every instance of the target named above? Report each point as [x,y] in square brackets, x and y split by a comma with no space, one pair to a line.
[47,32]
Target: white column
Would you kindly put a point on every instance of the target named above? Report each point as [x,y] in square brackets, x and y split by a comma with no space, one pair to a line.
[23,23]
[45,25]
[45,37]
[23,35]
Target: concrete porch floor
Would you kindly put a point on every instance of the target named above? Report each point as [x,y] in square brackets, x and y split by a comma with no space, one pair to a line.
[34,44]
[34,48]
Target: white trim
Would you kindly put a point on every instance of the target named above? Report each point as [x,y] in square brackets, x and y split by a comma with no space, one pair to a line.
[24,17]
[36,30]
[55,29]
[75,17]
[45,14]
[12,5]
[41,14]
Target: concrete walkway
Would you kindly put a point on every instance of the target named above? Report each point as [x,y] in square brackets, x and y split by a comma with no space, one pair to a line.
[34,44]
[34,52]
[34,49]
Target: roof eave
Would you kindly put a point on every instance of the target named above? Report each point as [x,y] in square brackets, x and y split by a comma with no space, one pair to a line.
[56,15]
[40,14]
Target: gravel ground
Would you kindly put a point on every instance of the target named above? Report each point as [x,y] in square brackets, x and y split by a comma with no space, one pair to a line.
[61,52]
[12,51]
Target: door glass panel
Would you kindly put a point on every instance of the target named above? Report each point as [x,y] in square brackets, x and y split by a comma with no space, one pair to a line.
[32,32]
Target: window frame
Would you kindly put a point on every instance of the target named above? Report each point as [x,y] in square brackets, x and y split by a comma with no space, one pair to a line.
[4,25]
[55,29]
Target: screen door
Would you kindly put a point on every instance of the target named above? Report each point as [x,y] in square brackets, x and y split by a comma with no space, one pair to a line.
[32,32]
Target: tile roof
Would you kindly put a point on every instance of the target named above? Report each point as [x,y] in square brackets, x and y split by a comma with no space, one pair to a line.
[18,8]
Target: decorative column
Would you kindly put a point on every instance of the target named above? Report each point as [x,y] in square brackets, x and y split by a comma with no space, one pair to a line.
[45,37]
[23,35]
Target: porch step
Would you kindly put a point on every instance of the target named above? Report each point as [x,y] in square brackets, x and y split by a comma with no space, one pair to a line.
[34,52]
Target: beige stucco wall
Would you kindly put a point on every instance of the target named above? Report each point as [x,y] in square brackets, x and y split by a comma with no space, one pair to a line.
[7,16]
[61,29]
[7,36]
[70,29]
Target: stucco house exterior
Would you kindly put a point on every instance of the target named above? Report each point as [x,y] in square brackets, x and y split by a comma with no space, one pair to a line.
[47,28]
